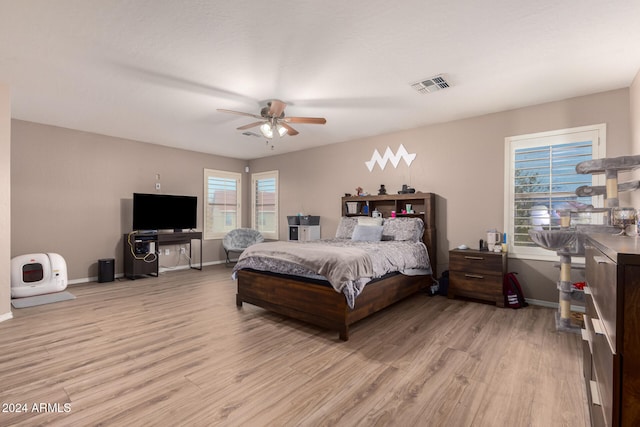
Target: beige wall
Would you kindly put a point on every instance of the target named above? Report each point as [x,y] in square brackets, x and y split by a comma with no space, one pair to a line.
[5,203]
[72,191]
[82,183]
[460,161]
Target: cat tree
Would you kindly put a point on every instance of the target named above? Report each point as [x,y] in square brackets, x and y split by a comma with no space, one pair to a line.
[568,241]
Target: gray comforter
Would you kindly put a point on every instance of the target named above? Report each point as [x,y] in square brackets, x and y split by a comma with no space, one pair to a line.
[348,265]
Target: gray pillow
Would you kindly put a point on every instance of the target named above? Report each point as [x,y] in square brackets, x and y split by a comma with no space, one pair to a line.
[407,229]
[345,227]
[367,233]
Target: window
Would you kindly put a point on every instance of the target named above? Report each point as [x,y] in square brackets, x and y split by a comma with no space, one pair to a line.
[222,208]
[264,209]
[540,179]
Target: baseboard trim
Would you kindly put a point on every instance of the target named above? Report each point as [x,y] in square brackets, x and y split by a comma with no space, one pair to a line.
[549,304]
[162,270]
[6,316]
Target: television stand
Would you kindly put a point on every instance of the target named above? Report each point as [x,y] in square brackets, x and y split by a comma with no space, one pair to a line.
[182,238]
[146,250]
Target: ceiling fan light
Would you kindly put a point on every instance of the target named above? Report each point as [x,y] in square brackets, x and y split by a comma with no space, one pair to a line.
[266,130]
[282,131]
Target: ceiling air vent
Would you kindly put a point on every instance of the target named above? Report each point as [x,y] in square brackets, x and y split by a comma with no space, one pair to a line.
[431,84]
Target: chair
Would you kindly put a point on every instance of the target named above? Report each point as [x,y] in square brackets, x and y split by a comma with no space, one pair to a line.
[240,239]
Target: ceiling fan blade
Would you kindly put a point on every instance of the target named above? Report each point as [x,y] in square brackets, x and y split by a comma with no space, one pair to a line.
[277,108]
[250,125]
[290,131]
[309,120]
[239,113]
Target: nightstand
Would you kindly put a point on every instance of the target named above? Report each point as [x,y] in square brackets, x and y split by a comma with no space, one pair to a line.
[477,274]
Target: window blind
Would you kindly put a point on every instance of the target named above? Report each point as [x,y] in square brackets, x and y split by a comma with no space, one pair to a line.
[540,180]
[545,181]
[223,203]
[265,203]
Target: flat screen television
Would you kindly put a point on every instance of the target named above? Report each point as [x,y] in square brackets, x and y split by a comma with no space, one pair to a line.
[152,212]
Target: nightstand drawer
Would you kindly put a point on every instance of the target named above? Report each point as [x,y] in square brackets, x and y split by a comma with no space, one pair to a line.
[476,262]
[476,285]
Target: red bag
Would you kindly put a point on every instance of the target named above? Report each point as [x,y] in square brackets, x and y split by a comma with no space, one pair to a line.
[513,295]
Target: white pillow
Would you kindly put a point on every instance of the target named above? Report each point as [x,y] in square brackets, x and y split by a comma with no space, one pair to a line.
[367,233]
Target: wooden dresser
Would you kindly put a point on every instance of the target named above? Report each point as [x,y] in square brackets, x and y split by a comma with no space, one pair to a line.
[477,274]
[611,336]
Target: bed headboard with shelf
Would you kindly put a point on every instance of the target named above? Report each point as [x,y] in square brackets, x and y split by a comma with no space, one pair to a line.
[422,204]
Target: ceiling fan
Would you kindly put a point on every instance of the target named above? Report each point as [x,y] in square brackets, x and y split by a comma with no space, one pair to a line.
[273,121]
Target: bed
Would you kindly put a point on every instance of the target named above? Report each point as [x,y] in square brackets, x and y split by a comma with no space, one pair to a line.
[330,283]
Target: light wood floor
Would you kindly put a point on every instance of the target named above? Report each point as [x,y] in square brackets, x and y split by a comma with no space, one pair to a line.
[175,350]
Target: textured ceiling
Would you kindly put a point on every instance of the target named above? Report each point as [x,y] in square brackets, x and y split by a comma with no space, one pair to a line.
[157,70]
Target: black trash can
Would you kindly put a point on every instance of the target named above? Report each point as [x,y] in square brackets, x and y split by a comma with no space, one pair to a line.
[106,270]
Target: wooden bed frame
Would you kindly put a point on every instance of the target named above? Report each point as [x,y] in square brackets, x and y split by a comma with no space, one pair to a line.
[320,304]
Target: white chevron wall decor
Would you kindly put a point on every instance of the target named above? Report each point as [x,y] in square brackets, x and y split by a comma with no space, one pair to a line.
[390,157]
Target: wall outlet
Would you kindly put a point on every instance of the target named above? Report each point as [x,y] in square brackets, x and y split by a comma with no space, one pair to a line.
[167,251]
[183,251]
[158,186]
